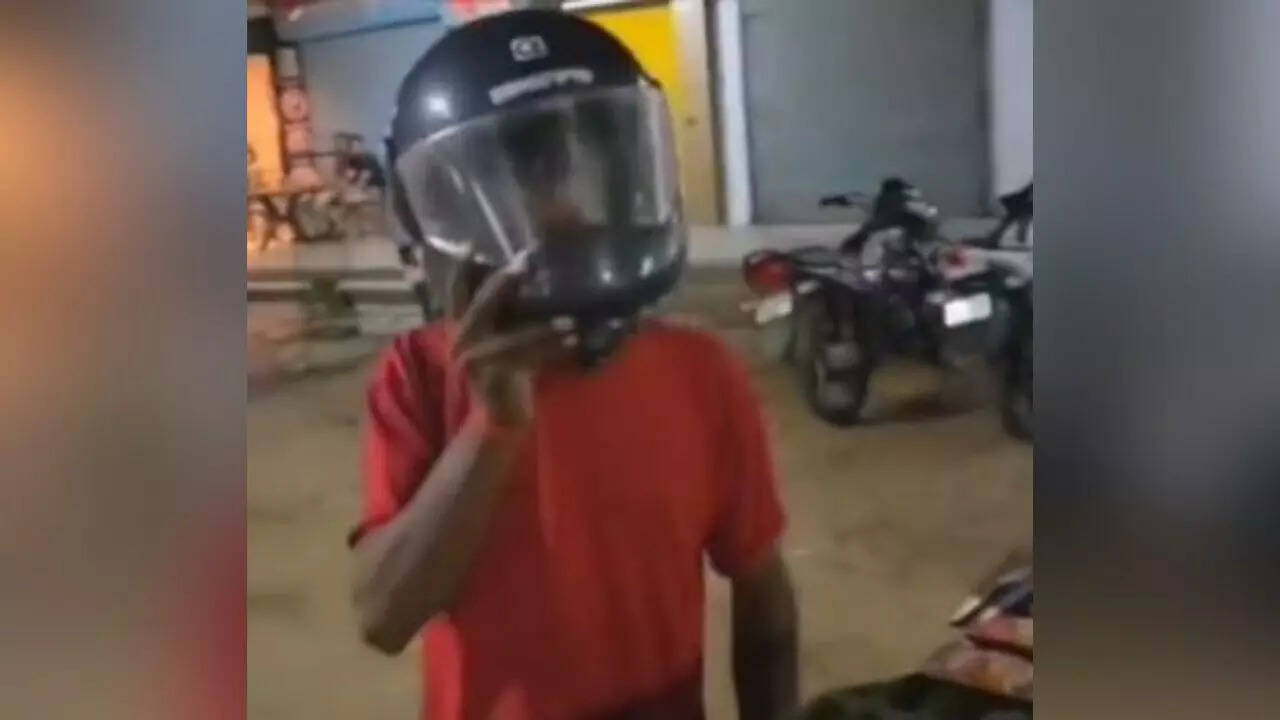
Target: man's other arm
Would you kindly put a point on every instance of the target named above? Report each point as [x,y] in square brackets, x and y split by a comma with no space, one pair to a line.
[764,642]
[410,569]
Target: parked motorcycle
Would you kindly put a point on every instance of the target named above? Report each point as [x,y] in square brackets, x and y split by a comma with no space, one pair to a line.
[985,674]
[1005,256]
[882,292]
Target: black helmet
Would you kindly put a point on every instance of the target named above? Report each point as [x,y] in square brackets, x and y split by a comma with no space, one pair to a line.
[534,135]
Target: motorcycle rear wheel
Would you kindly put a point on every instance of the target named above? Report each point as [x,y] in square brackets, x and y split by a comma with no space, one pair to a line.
[834,386]
[1015,403]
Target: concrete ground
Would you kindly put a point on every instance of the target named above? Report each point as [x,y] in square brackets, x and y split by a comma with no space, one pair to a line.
[889,525]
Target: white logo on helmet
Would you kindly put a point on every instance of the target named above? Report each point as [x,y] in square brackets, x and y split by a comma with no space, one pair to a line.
[538,82]
[528,47]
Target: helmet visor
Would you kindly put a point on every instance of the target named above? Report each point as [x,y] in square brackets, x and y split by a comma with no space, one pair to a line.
[566,169]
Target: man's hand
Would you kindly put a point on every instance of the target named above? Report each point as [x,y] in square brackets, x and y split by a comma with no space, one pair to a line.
[501,365]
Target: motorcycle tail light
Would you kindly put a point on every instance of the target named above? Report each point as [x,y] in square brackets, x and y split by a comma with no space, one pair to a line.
[954,258]
[766,273]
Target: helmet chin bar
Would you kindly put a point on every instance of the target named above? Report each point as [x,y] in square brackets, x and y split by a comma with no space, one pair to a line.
[600,337]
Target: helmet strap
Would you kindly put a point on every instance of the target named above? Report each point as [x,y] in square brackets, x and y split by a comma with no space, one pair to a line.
[600,338]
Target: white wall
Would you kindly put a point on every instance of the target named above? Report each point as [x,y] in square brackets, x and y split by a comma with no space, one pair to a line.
[1010,58]
[734,150]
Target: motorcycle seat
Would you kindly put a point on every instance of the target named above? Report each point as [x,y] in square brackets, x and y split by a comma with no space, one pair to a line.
[988,242]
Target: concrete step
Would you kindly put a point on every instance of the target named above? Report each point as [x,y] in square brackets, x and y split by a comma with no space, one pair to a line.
[371,290]
[305,274]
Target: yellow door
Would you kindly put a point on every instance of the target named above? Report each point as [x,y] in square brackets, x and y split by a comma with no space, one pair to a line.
[652,36]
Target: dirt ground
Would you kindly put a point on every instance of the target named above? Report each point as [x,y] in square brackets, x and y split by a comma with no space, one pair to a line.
[889,525]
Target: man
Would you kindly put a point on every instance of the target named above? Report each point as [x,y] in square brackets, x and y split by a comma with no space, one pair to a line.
[361,186]
[545,472]
[360,169]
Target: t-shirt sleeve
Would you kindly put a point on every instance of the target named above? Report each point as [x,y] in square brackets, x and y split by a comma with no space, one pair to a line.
[401,436]
[749,520]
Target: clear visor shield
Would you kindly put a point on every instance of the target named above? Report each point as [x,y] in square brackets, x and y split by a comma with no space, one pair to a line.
[594,167]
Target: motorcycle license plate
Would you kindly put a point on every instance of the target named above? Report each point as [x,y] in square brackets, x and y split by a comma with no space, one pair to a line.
[773,307]
[965,310]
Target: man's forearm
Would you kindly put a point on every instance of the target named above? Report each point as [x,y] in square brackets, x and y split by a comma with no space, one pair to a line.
[764,645]
[410,569]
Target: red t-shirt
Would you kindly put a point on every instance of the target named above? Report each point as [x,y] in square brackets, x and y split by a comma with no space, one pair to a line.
[585,598]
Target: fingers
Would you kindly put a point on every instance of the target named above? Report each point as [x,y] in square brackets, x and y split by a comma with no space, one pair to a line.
[1015,631]
[526,348]
[992,671]
[456,292]
[489,348]
[482,309]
